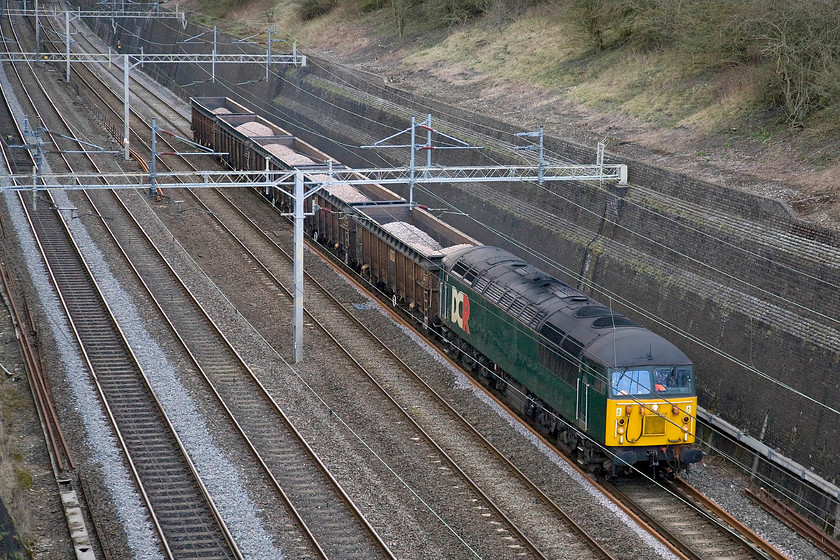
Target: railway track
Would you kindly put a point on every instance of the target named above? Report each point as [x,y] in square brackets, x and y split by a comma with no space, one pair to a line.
[401,385]
[698,528]
[185,519]
[345,537]
[332,524]
[351,338]
[177,500]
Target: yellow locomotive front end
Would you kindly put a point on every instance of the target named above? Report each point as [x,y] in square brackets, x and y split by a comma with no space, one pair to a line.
[651,414]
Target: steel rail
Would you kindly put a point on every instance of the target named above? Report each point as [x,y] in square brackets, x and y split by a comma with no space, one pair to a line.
[795,521]
[402,411]
[138,480]
[60,453]
[745,532]
[347,500]
[108,410]
[667,509]
[197,361]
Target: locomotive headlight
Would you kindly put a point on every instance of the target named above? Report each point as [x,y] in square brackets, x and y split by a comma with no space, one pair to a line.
[655,407]
[621,430]
[621,421]
[685,428]
[685,419]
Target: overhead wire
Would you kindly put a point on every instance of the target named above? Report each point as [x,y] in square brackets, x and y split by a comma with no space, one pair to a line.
[550,261]
[572,274]
[469,127]
[593,286]
[647,238]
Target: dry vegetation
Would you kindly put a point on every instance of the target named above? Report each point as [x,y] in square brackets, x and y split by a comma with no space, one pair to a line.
[745,92]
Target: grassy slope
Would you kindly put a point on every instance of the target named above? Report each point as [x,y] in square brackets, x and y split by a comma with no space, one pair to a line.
[700,118]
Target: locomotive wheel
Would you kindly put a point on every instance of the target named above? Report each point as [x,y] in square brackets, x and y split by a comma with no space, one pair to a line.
[567,440]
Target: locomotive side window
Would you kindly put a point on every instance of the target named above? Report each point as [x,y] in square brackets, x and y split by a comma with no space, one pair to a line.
[631,382]
[673,380]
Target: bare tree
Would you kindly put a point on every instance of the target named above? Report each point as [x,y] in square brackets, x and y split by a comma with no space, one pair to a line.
[400,10]
[802,40]
[592,15]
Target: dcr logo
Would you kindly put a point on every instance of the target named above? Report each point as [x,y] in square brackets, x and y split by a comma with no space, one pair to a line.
[461,310]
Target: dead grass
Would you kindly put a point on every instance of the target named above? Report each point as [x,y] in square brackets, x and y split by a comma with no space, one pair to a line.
[681,112]
[529,50]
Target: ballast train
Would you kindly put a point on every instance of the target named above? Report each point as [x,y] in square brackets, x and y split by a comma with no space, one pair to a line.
[593,381]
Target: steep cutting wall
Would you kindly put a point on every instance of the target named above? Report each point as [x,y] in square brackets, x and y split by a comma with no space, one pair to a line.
[750,293]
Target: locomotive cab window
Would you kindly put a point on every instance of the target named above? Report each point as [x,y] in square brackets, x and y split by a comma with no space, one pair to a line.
[631,382]
[673,381]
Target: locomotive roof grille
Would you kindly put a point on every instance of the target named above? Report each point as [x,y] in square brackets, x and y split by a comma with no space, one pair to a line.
[465,271]
[533,316]
[481,283]
[566,292]
[493,292]
[460,268]
[506,300]
[529,272]
[518,306]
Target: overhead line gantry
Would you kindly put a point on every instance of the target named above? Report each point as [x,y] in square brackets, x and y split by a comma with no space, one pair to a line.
[304,185]
[131,60]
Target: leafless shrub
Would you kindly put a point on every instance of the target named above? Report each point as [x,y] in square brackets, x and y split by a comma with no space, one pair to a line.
[802,41]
